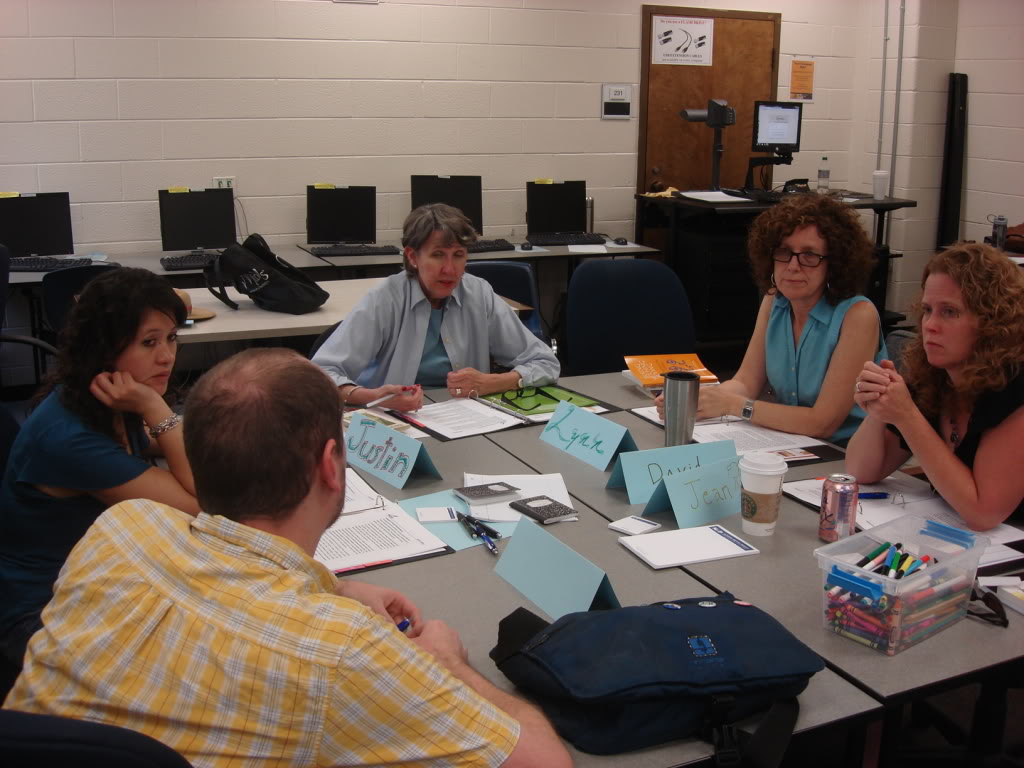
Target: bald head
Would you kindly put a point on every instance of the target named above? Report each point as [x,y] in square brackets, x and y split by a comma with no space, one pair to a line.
[255,427]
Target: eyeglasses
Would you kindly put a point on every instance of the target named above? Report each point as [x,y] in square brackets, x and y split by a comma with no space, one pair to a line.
[521,398]
[806,258]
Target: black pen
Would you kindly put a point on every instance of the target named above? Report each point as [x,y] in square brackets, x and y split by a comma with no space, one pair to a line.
[468,525]
[492,532]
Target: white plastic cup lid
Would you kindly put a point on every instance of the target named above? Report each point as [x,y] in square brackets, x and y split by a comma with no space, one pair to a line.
[763,463]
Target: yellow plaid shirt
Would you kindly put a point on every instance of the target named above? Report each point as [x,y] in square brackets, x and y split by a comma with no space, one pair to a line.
[229,645]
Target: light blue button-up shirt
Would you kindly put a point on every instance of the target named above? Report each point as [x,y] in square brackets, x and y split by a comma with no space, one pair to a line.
[381,340]
[797,371]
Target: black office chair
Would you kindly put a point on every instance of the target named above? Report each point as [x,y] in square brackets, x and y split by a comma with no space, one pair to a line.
[31,739]
[513,280]
[621,307]
[319,340]
[896,343]
[60,291]
[5,280]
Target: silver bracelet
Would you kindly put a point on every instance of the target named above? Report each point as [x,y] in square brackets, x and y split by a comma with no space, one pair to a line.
[165,426]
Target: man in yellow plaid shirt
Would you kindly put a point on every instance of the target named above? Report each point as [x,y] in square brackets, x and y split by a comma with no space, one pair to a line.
[222,637]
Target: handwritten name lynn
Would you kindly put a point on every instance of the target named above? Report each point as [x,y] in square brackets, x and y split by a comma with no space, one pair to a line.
[573,437]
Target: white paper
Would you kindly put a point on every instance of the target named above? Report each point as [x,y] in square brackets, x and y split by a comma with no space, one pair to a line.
[552,486]
[714,196]
[749,437]
[359,496]
[380,535]
[918,499]
[462,418]
[687,545]
[437,514]
[587,249]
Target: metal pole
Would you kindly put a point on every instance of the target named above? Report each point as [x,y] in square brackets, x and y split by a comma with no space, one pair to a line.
[896,108]
[881,98]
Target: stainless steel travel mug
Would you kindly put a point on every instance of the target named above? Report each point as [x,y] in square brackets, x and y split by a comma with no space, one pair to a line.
[682,389]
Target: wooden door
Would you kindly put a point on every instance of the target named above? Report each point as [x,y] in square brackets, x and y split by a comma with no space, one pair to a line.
[744,69]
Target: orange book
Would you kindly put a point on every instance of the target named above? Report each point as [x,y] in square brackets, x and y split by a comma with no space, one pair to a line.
[649,370]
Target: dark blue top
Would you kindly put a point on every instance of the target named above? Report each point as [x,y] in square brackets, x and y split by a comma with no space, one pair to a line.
[434,365]
[53,448]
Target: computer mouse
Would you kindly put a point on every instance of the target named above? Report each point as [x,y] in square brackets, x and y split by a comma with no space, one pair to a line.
[526,247]
[620,241]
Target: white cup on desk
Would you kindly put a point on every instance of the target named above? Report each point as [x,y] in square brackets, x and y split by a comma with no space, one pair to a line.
[761,475]
[880,184]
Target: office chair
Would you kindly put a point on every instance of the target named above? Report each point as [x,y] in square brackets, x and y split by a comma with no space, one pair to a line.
[60,289]
[319,340]
[27,739]
[619,307]
[514,280]
[5,280]
[896,342]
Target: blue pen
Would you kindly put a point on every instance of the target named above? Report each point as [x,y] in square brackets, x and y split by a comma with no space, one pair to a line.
[489,543]
[403,625]
[880,495]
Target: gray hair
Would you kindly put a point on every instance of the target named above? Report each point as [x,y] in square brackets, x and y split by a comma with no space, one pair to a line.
[436,217]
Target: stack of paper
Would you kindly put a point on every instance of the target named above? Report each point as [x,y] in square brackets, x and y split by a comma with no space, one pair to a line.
[687,545]
[374,537]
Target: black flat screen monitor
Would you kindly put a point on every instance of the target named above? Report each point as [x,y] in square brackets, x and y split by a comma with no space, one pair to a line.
[37,225]
[198,219]
[560,207]
[777,126]
[462,192]
[341,215]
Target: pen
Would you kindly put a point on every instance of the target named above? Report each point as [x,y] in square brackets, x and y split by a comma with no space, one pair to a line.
[489,543]
[493,533]
[403,625]
[385,398]
[879,495]
[468,525]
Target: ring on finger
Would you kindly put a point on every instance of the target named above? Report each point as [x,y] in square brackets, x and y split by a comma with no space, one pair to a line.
[458,391]
[856,387]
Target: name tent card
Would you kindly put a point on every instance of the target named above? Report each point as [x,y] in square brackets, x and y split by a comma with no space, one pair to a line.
[586,435]
[385,453]
[641,471]
[701,495]
[555,577]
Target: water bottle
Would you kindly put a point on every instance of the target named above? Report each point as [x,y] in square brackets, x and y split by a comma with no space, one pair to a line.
[823,176]
[999,224]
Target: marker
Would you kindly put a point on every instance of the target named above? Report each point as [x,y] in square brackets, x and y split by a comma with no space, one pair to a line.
[874,553]
[884,567]
[920,564]
[873,495]
[403,625]
[895,564]
[908,561]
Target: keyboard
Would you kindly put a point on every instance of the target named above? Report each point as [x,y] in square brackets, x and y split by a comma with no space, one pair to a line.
[186,261]
[565,238]
[354,250]
[47,263]
[487,246]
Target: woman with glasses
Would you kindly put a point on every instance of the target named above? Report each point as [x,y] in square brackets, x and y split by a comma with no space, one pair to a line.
[957,403]
[811,257]
[433,326]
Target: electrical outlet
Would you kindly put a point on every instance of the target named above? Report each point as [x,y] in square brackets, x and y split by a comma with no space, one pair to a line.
[224,182]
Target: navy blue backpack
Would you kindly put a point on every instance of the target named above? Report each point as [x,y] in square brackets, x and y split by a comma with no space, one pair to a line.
[628,678]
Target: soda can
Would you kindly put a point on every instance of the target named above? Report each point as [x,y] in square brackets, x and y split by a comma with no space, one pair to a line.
[839,499]
[999,224]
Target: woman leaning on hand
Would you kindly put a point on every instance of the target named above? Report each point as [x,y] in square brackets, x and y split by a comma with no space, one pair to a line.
[811,257]
[958,406]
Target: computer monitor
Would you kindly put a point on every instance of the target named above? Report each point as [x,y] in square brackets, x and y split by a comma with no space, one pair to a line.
[559,207]
[37,225]
[196,220]
[777,126]
[341,215]
[462,192]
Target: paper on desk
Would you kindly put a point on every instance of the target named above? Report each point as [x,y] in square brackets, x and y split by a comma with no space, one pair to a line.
[552,486]
[462,418]
[379,535]
[650,413]
[917,499]
[383,417]
[749,437]
[715,197]
[587,249]
[455,536]
[359,496]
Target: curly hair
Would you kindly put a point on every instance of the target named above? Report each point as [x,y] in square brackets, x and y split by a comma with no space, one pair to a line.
[992,287]
[101,324]
[851,256]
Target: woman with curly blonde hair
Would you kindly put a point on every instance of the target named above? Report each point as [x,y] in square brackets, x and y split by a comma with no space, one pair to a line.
[811,257]
[959,407]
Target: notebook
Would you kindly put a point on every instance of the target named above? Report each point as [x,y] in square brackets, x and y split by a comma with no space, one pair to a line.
[687,545]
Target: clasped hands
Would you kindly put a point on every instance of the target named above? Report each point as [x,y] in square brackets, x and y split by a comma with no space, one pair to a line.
[883,393]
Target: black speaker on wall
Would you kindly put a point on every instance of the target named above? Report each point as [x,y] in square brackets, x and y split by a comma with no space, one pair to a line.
[951,191]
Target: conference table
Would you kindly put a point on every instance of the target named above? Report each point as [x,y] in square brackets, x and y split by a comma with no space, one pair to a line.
[859,686]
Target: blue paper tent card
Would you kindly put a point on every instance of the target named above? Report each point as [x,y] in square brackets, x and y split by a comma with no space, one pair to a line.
[386,453]
[641,471]
[586,435]
[452,534]
[555,577]
[699,496]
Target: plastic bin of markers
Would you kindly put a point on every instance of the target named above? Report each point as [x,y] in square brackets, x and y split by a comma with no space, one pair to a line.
[887,614]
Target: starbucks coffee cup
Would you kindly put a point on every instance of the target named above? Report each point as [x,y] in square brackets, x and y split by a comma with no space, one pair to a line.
[761,475]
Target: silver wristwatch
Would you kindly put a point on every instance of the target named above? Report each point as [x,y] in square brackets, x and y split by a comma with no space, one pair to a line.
[748,410]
